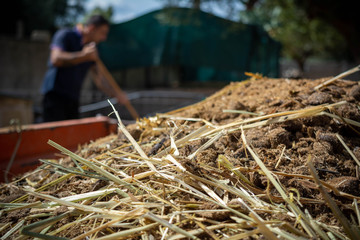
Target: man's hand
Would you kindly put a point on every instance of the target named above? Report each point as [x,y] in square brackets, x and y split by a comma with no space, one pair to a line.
[90,52]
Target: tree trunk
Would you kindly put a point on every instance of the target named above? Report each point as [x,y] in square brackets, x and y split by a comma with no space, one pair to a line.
[196,4]
[301,64]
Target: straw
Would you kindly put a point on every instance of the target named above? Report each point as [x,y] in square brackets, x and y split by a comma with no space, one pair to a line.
[342,75]
[351,230]
[348,149]
[303,220]
[133,192]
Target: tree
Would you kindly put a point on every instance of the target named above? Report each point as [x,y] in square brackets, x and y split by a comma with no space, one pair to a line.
[301,37]
[231,7]
[325,28]
[342,15]
[105,12]
[38,14]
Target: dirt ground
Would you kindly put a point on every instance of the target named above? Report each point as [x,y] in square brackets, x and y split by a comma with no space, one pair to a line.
[284,147]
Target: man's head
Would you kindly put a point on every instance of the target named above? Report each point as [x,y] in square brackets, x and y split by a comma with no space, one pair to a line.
[96,29]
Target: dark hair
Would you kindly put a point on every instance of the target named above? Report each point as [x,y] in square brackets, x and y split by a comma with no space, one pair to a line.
[97,21]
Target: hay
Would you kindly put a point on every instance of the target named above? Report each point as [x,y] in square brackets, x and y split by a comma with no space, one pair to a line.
[144,187]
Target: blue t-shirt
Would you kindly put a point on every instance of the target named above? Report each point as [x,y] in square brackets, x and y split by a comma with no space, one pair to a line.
[66,81]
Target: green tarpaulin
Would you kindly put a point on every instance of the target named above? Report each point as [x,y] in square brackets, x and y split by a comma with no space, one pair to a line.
[203,46]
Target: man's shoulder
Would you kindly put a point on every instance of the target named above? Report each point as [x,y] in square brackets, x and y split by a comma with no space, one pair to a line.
[67,39]
[67,32]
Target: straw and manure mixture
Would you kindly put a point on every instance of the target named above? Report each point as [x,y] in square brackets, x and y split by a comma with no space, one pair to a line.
[260,159]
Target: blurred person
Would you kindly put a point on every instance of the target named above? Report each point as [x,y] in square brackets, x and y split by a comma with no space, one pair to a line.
[73,53]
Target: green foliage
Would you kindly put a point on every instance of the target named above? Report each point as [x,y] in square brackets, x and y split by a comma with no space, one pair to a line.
[300,36]
[230,7]
[39,14]
[106,13]
[288,22]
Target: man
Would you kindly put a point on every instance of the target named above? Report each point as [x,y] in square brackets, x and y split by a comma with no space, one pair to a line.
[73,53]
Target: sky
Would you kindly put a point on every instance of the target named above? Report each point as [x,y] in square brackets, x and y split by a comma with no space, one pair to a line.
[125,10]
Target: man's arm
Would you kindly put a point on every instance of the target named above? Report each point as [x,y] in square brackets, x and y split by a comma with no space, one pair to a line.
[109,81]
[103,84]
[60,58]
[100,82]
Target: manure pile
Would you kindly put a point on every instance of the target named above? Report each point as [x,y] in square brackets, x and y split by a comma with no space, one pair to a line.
[260,159]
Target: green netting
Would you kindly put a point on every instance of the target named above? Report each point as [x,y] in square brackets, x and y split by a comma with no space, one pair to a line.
[203,46]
